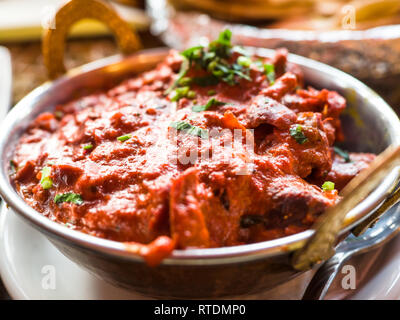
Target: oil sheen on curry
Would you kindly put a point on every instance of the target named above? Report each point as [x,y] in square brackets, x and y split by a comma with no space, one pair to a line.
[212,148]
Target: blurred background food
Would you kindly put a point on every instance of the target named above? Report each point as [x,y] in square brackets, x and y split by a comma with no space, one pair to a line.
[296,14]
[361,37]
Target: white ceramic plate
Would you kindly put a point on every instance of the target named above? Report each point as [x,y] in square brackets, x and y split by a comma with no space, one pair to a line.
[25,257]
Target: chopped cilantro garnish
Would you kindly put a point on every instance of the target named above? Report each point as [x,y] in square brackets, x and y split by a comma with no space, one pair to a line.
[269,71]
[241,72]
[224,38]
[124,137]
[211,92]
[344,154]
[222,46]
[191,94]
[184,69]
[192,53]
[209,80]
[244,61]
[190,129]
[88,146]
[216,61]
[179,93]
[212,102]
[13,167]
[328,186]
[185,81]
[297,133]
[68,197]
[45,180]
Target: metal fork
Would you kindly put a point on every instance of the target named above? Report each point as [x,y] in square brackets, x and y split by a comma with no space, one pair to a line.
[383,231]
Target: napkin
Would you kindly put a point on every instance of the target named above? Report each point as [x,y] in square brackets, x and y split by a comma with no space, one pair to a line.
[22,20]
[5,82]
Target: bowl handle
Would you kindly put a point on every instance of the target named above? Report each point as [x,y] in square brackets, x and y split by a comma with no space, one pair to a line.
[320,246]
[388,203]
[53,42]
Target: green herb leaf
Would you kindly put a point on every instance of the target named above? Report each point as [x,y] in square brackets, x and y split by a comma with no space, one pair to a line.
[207,57]
[191,94]
[244,61]
[46,181]
[328,186]
[88,146]
[68,197]
[241,74]
[224,38]
[182,72]
[193,53]
[269,70]
[297,133]
[124,137]
[344,154]
[185,81]
[206,81]
[179,93]
[214,60]
[190,129]
[13,167]
[222,46]
[212,102]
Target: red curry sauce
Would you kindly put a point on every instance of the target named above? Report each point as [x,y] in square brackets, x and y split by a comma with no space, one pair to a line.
[110,164]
